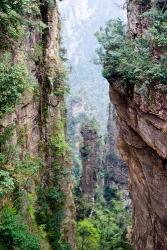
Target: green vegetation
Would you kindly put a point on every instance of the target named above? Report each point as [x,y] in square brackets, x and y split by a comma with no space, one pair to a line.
[135,60]
[6,183]
[101,223]
[24,202]
[52,199]
[15,76]
[51,213]
[7,151]
[88,236]
[29,166]
[12,21]
[14,234]
[6,135]
[106,227]
[26,168]
[60,87]
[14,79]
[58,142]
[14,175]
[158,28]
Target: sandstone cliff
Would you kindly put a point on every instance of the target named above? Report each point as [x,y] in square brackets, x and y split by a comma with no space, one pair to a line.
[35,155]
[142,142]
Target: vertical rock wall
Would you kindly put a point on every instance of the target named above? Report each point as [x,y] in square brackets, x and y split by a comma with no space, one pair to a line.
[36,119]
[142,142]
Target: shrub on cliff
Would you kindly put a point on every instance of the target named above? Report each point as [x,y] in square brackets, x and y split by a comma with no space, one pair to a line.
[12,21]
[134,60]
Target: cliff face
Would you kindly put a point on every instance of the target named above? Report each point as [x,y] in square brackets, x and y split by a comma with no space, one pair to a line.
[34,154]
[142,142]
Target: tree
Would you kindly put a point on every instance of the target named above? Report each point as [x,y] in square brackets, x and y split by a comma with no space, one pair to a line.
[88,236]
[136,60]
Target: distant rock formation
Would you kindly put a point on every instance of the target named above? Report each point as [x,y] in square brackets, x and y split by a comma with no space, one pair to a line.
[91,155]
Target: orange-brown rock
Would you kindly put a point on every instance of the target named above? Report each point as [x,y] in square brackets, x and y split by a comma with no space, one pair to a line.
[143,145]
[91,161]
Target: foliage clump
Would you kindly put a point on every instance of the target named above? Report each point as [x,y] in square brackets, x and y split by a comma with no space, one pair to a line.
[60,87]
[29,166]
[14,78]
[158,27]
[6,183]
[134,60]
[106,227]
[14,17]
[14,233]
[88,235]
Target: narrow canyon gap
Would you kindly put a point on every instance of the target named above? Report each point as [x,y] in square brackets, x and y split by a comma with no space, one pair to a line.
[98,170]
[141,120]
[63,184]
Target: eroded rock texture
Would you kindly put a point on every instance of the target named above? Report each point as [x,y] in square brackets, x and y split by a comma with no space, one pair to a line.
[142,142]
